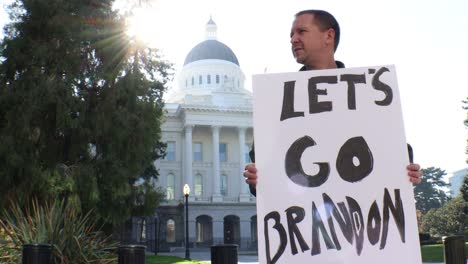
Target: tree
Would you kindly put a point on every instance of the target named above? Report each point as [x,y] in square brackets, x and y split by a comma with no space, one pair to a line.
[429,193]
[80,109]
[447,220]
[464,186]
[465,102]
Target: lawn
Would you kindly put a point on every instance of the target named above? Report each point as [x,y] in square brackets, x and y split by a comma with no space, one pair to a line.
[430,253]
[170,260]
[435,253]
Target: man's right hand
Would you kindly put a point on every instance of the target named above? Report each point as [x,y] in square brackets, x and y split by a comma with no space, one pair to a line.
[250,174]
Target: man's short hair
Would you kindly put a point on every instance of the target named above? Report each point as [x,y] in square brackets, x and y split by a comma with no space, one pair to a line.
[324,21]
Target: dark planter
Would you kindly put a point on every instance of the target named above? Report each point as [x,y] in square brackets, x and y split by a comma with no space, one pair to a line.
[36,253]
[132,254]
[224,254]
[454,250]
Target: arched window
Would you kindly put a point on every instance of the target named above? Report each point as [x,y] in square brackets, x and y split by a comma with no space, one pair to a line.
[208,79]
[193,81]
[217,78]
[198,185]
[170,231]
[200,79]
[170,187]
[224,185]
[204,229]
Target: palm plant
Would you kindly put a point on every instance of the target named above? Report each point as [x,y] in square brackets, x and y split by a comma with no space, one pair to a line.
[74,237]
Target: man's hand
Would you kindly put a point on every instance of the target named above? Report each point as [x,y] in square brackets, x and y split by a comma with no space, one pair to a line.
[250,174]
[414,172]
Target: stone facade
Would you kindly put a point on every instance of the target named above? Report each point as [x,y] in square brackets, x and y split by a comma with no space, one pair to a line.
[208,129]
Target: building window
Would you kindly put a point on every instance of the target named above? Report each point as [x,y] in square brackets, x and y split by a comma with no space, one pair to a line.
[197,151]
[222,152]
[142,237]
[170,231]
[253,228]
[198,185]
[170,151]
[208,79]
[246,153]
[170,187]
[224,185]
[193,81]
[186,83]
[200,79]
[217,78]
[204,229]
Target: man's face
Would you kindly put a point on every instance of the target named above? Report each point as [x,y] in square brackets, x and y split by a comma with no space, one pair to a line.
[307,41]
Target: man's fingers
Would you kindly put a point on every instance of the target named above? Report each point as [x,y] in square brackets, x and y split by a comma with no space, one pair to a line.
[415,174]
[413,167]
[250,167]
[249,175]
[415,180]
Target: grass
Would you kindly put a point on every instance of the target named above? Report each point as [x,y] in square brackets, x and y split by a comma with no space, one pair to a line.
[435,253]
[430,253]
[170,260]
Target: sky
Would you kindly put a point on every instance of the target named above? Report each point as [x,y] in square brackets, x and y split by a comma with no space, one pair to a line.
[425,39]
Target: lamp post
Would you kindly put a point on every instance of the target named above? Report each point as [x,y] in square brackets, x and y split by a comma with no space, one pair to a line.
[186,193]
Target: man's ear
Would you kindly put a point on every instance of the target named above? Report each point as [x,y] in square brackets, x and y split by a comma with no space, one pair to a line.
[330,36]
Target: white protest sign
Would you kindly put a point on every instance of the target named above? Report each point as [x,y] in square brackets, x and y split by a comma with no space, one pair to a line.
[331,157]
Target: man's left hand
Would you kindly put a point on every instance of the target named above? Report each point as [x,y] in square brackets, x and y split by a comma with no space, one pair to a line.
[414,172]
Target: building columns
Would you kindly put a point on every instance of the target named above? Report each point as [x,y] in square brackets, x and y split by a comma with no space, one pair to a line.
[188,158]
[243,194]
[216,172]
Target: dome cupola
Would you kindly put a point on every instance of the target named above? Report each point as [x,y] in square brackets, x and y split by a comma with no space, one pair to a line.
[211,48]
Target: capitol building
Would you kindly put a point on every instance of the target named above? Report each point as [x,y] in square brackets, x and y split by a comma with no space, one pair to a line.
[208,131]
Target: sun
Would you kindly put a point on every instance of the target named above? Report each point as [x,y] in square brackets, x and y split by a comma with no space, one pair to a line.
[141,25]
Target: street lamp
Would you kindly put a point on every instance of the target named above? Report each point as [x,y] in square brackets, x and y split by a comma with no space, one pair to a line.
[186,193]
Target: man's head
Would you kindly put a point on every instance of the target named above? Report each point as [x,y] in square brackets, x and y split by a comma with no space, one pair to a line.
[315,35]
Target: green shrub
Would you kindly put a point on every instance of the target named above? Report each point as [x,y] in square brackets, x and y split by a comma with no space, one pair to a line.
[73,236]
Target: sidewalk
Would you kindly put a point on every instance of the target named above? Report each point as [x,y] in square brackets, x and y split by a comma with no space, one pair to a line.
[243,257]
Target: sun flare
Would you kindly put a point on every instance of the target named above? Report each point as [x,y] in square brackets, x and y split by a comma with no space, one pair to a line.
[140,25]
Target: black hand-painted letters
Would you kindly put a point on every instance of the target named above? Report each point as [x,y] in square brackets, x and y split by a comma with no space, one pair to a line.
[316,106]
[350,219]
[353,148]
[294,168]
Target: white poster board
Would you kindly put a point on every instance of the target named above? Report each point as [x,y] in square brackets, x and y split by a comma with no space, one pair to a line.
[331,157]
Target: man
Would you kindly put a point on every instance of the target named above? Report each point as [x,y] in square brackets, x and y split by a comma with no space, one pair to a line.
[315,35]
